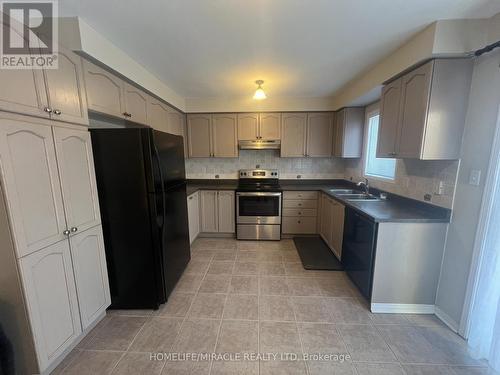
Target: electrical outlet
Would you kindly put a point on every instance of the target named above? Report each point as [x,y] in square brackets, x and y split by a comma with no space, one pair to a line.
[475,177]
[427,197]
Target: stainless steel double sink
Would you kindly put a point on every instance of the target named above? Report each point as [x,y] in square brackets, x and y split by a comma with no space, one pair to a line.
[354,195]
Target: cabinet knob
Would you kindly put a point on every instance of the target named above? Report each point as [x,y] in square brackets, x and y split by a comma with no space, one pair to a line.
[300,205]
[57,112]
[66,232]
[74,229]
[47,109]
[298,221]
[190,197]
[300,213]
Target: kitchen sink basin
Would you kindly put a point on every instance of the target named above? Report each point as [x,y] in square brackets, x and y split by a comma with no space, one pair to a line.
[343,191]
[359,197]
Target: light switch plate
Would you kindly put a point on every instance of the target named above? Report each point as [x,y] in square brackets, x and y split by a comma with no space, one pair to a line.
[475,177]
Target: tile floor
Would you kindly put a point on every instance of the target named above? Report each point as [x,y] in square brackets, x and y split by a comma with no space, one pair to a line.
[255,297]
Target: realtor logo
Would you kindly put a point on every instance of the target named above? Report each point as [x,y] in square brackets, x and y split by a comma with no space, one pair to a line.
[29,35]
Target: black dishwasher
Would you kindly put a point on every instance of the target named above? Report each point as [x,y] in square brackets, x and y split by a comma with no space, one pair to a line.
[358,250]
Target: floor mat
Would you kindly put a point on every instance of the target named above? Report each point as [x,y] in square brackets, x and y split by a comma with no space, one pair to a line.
[315,254]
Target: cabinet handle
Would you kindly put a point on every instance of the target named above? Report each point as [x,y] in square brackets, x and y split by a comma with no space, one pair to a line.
[74,229]
[126,114]
[66,232]
[57,112]
[47,109]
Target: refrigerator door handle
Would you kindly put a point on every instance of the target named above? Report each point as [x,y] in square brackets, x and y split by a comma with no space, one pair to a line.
[158,165]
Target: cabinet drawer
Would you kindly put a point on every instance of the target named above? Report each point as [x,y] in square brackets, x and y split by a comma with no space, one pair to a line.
[307,212]
[300,195]
[300,203]
[299,225]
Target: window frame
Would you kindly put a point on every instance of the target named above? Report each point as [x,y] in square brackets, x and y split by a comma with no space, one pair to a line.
[371,111]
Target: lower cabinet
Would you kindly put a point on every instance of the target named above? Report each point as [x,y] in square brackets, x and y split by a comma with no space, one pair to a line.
[49,287]
[300,212]
[193,204]
[331,228]
[217,211]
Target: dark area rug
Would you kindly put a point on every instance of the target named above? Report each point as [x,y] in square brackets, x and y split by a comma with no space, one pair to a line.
[315,254]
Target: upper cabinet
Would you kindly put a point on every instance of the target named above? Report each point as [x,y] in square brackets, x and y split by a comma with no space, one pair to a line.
[263,126]
[212,135]
[348,138]
[136,104]
[158,115]
[293,133]
[319,134]
[423,112]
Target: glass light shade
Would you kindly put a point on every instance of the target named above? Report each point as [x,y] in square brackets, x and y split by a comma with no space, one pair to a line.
[259,94]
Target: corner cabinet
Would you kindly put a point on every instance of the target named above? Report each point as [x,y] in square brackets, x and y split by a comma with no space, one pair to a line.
[217,211]
[319,134]
[212,135]
[349,128]
[423,112]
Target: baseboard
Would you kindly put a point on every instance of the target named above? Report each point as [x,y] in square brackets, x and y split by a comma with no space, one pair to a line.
[401,308]
[446,319]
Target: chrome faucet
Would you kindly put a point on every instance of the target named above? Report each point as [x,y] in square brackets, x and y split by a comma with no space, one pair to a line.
[365,185]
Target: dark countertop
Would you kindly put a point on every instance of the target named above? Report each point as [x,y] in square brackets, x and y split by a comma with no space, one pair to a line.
[394,209]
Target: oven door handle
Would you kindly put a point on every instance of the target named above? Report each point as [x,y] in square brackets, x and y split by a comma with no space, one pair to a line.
[258,194]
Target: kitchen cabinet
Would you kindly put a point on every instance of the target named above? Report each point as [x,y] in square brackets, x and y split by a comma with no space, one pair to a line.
[91,275]
[348,138]
[217,211]
[193,204]
[423,112]
[104,90]
[293,134]
[332,224]
[177,126]
[224,136]
[158,115]
[77,176]
[264,126]
[300,212]
[136,104]
[212,135]
[319,134]
[338,228]
[51,298]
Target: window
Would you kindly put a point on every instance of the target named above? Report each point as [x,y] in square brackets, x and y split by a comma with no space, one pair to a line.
[376,167]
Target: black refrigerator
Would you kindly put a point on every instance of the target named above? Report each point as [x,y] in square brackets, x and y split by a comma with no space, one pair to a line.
[142,194]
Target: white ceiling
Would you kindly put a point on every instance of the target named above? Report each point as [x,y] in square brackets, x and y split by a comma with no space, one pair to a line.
[300,48]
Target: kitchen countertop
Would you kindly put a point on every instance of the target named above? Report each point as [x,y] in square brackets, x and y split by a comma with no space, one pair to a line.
[394,209]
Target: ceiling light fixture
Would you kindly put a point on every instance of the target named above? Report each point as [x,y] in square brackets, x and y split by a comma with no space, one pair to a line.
[259,93]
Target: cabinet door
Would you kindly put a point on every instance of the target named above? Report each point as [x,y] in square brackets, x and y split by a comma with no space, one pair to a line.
[326,220]
[193,203]
[226,211]
[209,211]
[176,122]
[136,104]
[293,134]
[319,134]
[270,126]
[199,129]
[415,93]
[65,89]
[104,90]
[339,124]
[91,275]
[158,115]
[248,126]
[338,229]
[389,119]
[22,90]
[31,181]
[49,287]
[78,183]
[225,136]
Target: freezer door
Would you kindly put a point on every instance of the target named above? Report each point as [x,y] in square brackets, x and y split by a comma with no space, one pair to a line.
[171,153]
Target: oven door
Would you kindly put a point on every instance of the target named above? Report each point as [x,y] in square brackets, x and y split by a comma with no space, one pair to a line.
[258,208]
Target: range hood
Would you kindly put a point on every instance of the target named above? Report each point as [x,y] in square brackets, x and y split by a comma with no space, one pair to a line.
[259,144]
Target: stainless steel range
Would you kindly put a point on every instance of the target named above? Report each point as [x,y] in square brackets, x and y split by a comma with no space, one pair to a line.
[258,205]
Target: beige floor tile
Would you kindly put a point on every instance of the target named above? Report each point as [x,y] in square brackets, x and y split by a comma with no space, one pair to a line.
[215,284]
[321,338]
[244,285]
[246,268]
[206,255]
[240,306]
[279,337]
[365,343]
[138,363]
[207,305]
[247,256]
[270,256]
[379,369]
[274,286]
[197,267]
[467,370]
[282,368]
[428,370]
[143,313]
[310,309]
[238,336]
[65,362]
[389,319]
[221,267]
[271,269]
[117,334]
[197,336]
[214,244]
[93,363]
[424,320]
[290,256]
[247,245]
[330,368]
[303,286]
[177,305]
[189,283]
[225,255]
[186,368]
[157,335]
[347,310]
[334,288]
[232,368]
[296,269]
[278,308]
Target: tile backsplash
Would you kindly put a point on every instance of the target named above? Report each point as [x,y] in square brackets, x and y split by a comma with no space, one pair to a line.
[290,168]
